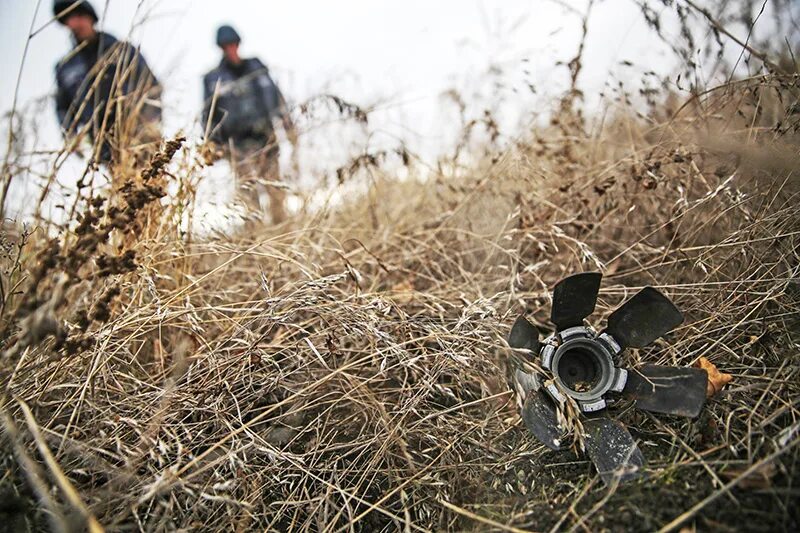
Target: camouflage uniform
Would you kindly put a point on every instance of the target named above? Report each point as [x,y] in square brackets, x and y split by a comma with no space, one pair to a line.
[241,115]
[99,79]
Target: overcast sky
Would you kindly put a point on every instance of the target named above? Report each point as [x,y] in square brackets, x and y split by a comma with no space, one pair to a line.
[402,55]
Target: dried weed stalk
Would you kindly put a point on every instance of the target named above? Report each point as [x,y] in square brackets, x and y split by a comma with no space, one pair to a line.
[332,375]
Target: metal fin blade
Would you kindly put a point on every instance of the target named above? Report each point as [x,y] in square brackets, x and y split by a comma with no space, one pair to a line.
[612,449]
[670,390]
[527,382]
[574,298]
[539,416]
[524,335]
[644,318]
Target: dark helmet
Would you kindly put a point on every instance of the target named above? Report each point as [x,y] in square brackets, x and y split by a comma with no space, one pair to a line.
[84,8]
[227,35]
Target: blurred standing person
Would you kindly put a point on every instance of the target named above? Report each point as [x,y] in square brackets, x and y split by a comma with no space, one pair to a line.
[241,102]
[105,88]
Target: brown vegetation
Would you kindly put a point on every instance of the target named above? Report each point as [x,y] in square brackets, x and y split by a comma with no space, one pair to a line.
[347,369]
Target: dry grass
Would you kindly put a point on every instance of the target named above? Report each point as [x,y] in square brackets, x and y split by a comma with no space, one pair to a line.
[347,370]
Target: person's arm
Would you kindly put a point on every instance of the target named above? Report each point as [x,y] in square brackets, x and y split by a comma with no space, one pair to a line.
[141,73]
[288,127]
[207,96]
[214,127]
[276,103]
[142,82]
[63,102]
[286,119]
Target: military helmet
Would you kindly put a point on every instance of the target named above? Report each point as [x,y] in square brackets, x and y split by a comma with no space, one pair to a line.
[83,7]
[227,35]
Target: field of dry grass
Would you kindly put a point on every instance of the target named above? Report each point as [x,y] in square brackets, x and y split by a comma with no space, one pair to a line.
[348,369]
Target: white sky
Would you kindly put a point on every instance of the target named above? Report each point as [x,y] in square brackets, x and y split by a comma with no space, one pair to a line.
[405,53]
[401,54]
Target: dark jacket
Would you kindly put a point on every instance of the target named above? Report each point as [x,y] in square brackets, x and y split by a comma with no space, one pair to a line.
[247,102]
[96,73]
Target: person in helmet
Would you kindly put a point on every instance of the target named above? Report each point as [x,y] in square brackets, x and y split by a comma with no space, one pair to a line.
[104,87]
[241,103]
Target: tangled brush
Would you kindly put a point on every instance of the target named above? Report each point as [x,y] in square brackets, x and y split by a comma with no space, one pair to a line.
[348,370]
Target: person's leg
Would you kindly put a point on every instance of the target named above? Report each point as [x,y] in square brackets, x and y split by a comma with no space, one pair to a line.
[271,173]
[277,195]
[246,162]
